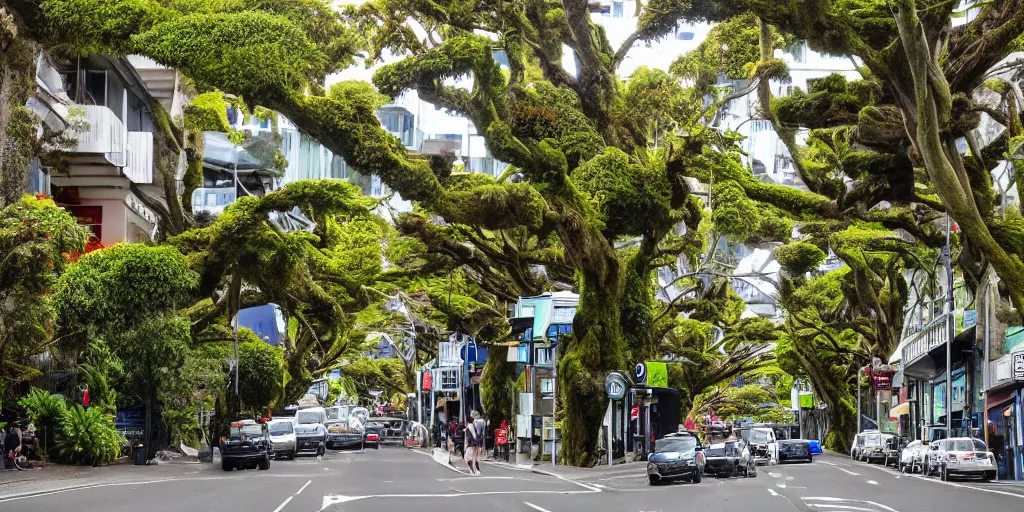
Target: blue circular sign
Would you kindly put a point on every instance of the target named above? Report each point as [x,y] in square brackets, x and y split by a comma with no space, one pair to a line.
[640,372]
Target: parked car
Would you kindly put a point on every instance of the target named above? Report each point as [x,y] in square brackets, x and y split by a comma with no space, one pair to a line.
[815,446]
[247,446]
[731,458]
[310,433]
[764,445]
[869,445]
[676,456]
[913,457]
[282,434]
[795,449]
[962,456]
[346,433]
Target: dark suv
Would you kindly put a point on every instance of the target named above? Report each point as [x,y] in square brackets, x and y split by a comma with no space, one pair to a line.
[676,457]
[248,446]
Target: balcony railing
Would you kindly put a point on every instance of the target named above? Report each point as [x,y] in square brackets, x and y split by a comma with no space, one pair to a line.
[139,162]
[106,135]
[212,200]
[933,335]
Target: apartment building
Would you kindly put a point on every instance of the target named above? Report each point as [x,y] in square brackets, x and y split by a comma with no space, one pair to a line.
[105,178]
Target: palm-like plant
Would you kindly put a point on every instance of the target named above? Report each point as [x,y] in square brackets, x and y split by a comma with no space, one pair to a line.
[87,437]
[45,411]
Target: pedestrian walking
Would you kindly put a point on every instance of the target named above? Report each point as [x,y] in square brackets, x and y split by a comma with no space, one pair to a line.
[475,435]
[321,447]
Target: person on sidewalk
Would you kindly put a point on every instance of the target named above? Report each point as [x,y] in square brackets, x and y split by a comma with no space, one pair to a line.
[475,435]
[12,448]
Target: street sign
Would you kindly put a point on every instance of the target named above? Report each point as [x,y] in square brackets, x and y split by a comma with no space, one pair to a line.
[1018,367]
[615,386]
[640,373]
[501,437]
[427,380]
[657,374]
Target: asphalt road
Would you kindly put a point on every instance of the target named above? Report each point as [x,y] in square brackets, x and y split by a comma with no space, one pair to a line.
[393,479]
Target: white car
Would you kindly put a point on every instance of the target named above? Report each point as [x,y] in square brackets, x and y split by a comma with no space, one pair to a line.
[869,444]
[764,445]
[963,456]
[913,458]
[282,434]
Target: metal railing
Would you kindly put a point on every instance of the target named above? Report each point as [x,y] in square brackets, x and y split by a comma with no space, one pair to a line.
[933,335]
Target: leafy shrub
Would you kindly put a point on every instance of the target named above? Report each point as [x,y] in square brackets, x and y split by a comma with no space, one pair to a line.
[87,437]
[45,411]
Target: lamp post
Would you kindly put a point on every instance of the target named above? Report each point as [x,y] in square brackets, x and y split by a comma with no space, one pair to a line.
[951,327]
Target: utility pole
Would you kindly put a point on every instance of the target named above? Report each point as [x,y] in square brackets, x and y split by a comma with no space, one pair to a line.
[952,333]
[860,371]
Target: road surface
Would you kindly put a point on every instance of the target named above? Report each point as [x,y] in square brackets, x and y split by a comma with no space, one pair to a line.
[395,479]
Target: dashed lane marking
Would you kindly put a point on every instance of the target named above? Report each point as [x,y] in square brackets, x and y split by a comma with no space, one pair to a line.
[281,506]
[872,482]
[772,492]
[535,507]
[994,491]
[303,487]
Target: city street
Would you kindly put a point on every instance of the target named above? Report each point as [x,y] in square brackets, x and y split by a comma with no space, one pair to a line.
[393,479]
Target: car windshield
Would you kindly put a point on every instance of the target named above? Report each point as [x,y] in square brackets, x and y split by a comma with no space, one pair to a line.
[374,424]
[249,430]
[966,445]
[284,427]
[307,417]
[979,445]
[675,444]
[759,436]
[872,440]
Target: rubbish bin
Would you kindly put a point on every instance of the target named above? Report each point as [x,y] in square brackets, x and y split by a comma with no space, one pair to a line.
[140,454]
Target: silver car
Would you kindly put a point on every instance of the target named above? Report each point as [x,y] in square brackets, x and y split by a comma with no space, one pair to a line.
[282,434]
[962,456]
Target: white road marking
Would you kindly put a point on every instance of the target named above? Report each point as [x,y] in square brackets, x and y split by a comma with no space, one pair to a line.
[281,506]
[829,463]
[772,492]
[872,482]
[780,485]
[477,478]
[833,502]
[535,507]
[336,499]
[774,475]
[303,487]
[1015,495]
[835,507]
[847,471]
[84,487]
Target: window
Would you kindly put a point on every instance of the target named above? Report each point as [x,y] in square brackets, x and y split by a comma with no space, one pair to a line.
[684,36]
[617,9]
[547,386]
[543,356]
[339,169]
[526,311]
[563,314]
[759,168]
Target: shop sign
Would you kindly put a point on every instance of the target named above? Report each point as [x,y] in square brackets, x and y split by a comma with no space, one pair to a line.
[1018,367]
[657,374]
[615,386]
[640,373]
[501,437]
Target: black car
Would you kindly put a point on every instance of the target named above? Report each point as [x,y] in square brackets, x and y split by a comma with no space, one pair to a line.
[795,449]
[676,457]
[730,458]
[247,446]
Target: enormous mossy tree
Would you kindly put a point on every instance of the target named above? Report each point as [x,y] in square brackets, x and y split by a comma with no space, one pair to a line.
[920,94]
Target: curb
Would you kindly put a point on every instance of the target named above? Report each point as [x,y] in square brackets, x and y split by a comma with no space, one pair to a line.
[69,488]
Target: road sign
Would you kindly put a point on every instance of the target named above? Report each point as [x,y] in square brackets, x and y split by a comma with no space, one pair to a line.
[657,374]
[1018,367]
[640,373]
[500,437]
[615,386]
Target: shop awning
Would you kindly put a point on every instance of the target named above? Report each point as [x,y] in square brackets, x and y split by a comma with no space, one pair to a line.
[899,410]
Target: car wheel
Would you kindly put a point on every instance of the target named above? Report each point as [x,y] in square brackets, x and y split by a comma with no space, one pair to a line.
[944,474]
[653,480]
[264,464]
[226,465]
[810,459]
[989,475]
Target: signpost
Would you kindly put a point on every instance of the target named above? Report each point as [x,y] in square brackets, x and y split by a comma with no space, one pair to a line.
[615,385]
[640,373]
[657,374]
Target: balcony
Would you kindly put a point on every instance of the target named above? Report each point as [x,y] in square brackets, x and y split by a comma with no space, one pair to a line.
[212,200]
[106,135]
[139,161]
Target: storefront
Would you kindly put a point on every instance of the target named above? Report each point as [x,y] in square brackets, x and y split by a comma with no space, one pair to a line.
[1003,431]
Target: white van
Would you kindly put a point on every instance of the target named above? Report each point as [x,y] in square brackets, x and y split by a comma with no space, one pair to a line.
[307,434]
